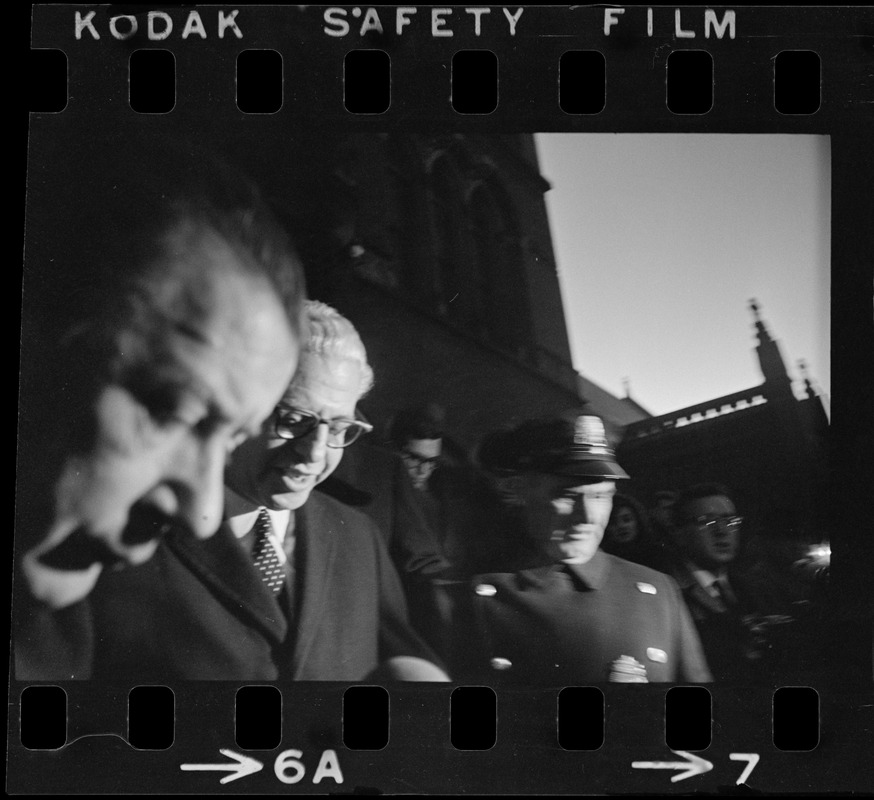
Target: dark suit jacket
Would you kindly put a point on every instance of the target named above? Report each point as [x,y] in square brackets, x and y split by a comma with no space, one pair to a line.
[739,642]
[49,645]
[546,626]
[198,609]
[375,479]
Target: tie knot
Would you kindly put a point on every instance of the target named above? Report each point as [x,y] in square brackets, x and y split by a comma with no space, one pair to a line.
[722,590]
[263,524]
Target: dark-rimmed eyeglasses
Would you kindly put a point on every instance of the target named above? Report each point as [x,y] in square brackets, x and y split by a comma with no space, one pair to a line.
[296,423]
[419,461]
[709,523]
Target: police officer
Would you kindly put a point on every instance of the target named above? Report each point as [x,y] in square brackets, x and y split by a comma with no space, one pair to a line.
[565,612]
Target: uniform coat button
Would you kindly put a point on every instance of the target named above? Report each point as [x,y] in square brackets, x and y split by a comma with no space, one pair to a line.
[501,663]
[485,590]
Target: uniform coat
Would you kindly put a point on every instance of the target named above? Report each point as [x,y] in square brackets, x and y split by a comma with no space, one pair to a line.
[563,625]
[198,609]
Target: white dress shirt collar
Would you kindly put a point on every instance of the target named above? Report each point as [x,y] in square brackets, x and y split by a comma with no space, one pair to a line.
[707,579]
[240,516]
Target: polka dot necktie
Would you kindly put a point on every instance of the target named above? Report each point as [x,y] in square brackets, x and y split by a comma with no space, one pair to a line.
[265,556]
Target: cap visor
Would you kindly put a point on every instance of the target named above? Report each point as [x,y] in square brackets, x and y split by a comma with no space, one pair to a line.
[606,470]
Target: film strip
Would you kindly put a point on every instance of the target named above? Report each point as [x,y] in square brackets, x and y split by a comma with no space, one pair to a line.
[271,87]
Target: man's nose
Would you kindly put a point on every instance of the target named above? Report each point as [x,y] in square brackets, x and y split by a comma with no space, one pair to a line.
[198,478]
[312,448]
[580,515]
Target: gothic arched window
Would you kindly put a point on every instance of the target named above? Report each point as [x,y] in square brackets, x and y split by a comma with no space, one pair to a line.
[449,226]
[499,281]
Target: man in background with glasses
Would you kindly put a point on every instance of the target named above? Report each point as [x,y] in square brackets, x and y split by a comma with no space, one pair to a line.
[295,585]
[417,433]
[708,534]
[448,488]
[732,606]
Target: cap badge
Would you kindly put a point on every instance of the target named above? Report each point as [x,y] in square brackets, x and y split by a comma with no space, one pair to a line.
[627,669]
[589,433]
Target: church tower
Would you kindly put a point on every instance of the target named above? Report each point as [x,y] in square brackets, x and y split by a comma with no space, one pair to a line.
[778,384]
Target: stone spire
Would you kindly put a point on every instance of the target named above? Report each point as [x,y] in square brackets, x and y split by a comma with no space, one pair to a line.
[808,385]
[778,384]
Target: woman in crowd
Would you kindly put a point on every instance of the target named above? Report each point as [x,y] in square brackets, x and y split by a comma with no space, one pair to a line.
[629,535]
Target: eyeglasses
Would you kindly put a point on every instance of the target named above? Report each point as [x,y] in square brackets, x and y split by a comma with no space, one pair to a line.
[419,461]
[296,423]
[709,523]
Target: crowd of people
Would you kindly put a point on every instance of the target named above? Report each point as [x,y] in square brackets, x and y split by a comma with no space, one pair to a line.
[198,498]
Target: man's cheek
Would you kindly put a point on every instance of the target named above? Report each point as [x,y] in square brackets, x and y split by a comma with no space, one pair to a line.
[551,519]
[332,460]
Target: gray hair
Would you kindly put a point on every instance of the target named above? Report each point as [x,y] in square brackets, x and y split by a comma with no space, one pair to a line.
[329,333]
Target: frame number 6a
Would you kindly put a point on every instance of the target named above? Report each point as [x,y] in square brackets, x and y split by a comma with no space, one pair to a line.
[288,766]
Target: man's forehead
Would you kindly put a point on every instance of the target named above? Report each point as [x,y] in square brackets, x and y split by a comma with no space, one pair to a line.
[703,505]
[575,485]
[324,376]
[212,295]
[424,447]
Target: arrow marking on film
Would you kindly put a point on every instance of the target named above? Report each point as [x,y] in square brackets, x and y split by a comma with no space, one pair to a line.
[692,766]
[244,766]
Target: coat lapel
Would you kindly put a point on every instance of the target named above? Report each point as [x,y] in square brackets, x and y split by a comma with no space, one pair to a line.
[700,602]
[316,545]
[224,566]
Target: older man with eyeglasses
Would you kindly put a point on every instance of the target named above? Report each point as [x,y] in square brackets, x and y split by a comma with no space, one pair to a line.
[295,585]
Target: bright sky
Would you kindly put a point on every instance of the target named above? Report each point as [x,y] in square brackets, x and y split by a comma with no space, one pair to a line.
[662,239]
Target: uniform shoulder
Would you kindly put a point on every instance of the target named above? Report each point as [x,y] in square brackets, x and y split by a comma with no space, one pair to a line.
[638,572]
[484,583]
[491,577]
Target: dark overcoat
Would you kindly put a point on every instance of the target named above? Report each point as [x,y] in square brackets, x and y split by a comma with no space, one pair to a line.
[198,610]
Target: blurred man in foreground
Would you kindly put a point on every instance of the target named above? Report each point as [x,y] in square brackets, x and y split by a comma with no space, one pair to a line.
[567,613]
[160,325]
[295,585]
